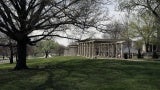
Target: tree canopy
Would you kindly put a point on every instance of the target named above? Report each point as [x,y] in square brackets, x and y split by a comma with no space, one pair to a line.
[142,6]
[47,46]
[147,18]
[30,21]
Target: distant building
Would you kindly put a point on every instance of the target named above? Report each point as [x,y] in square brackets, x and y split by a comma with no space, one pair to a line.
[100,48]
[71,50]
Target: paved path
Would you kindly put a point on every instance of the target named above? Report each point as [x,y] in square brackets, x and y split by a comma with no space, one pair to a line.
[6,61]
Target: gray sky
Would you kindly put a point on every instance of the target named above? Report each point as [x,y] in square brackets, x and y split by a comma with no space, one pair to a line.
[113,13]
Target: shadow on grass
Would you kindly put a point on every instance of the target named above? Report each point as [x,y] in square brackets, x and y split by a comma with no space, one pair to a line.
[57,77]
[48,83]
[73,74]
[77,74]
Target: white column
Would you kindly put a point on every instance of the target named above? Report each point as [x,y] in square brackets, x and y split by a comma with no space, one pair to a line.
[84,49]
[108,50]
[87,51]
[121,50]
[89,46]
[80,49]
[93,50]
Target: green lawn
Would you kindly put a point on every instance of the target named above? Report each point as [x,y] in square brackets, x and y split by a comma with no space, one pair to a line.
[77,73]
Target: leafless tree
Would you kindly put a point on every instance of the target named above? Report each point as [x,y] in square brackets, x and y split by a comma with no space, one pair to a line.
[113,30]
[30,21]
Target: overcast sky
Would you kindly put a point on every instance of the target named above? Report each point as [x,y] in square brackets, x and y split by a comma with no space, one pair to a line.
[113,13]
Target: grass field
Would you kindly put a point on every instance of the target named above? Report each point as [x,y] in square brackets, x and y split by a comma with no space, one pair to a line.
[77,73]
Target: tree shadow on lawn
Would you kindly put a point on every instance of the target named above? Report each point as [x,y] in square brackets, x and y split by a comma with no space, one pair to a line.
[50,82]
[86,74]
[60,76]
[17,80]
[11,76]
[68,75]
[97,72]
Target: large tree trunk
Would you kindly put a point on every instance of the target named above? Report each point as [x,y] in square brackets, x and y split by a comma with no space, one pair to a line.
[22,53]
[11,54]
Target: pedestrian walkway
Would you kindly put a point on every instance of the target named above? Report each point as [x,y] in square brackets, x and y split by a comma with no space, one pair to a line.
[6,60]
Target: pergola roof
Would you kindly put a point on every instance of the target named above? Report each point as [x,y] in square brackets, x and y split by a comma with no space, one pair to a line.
[102,40]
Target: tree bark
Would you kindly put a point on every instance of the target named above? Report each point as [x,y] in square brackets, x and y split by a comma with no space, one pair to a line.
[11,54]
[22,53]
[46,54]
[139,54]
[147,47]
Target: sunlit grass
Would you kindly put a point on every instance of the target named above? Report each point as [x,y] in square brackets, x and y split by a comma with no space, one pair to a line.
[78,73]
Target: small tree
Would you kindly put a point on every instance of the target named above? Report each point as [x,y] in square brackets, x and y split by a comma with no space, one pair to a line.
[151,7]
[113,30]
[144,26]
[47,46]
